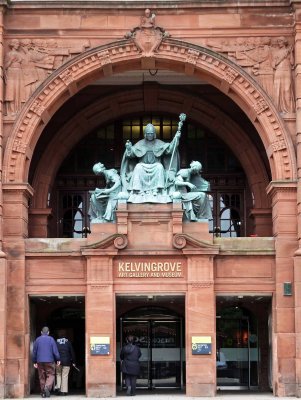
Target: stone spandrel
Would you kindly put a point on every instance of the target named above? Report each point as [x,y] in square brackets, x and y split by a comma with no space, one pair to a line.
[28,62]
[269,60]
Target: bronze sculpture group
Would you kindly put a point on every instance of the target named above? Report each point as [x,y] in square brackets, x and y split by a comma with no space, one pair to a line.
[150,173]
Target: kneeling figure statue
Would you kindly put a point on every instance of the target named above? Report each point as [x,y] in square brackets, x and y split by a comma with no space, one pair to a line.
[194,196]
[103,202]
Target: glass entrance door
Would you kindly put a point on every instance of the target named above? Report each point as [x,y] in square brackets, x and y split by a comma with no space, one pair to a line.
[161,346]
[237,354]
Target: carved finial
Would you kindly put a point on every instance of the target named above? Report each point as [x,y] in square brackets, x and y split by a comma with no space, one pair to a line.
[148,19]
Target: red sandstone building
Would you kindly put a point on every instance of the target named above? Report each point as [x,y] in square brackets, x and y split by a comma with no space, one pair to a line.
[79,79]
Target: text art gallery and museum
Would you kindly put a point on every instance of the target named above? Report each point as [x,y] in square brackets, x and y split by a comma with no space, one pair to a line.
[149,187]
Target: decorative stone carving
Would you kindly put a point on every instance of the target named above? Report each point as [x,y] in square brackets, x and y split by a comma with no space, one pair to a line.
[13,78]
[149,167]
[19,146]
[192,56]
[260,106]
[170,49]
[147,37]
[28,63]
[103,202]
[269,60]
[119,241]
[280,145]
[193,189]
[181,240]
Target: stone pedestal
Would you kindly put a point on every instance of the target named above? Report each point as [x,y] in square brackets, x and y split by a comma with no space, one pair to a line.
[151,234]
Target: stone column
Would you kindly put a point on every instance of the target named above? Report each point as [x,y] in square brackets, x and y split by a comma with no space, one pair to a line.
[262,221]
[3,265]
[15,223]
[200,321]
[100,322]
[284,202]
[297,266]
[38,222]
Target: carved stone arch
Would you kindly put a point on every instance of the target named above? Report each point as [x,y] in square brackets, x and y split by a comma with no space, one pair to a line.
[123,55]
[117,105]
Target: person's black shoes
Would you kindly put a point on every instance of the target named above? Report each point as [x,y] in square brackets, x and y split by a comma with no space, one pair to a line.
[43,394]
[63,393]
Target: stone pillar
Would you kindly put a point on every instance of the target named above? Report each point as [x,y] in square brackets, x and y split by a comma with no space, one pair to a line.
[262,221]
[100,322]
[284,202]
[297,267]
[200,321]
[38,222]
[3,265]
[15,222]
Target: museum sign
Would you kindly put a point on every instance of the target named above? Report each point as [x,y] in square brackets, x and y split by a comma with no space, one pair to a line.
[141,268]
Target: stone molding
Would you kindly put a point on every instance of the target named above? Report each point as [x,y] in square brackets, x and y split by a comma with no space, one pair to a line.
[119,241]
[29,124]
[181,240]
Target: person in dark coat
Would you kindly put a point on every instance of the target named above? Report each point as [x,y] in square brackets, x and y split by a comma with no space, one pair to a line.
[130,365]
[67,356]
[45,354]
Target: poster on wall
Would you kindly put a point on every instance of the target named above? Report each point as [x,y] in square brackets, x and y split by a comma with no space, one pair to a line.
[201,345]
[99,345]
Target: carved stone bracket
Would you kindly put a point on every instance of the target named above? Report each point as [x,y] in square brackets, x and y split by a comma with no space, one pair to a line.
[181,240]
[119,241]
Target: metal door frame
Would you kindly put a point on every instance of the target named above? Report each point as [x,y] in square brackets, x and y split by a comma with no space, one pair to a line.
[241,387]
[150,386]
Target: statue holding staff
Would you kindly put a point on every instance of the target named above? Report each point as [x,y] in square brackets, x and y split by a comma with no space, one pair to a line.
[149,167]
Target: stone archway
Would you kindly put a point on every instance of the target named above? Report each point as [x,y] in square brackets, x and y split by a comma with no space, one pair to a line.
[115,106]
[124,55]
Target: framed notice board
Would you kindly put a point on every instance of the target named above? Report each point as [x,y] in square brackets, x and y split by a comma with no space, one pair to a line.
[99,345]
[201,345]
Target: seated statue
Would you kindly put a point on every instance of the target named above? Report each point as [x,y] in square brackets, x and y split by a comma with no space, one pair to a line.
[193,189]
[103,202]
[149,167]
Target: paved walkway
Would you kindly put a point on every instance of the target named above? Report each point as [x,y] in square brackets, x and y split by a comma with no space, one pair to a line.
[180,396]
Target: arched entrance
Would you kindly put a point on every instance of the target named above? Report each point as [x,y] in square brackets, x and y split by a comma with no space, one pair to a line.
[172,55]
[159,331]
[93,65]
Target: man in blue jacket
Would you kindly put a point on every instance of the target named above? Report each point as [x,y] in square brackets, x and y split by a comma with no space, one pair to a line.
[67,356]
[45,355]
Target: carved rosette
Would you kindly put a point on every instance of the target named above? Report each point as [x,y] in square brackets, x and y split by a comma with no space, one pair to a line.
[179,241]
[121,242]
